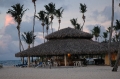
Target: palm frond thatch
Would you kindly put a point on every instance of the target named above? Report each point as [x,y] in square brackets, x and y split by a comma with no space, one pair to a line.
[69,33]
[64,46]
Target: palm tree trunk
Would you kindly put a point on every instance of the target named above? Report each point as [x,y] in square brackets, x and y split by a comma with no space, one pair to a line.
[21,44]
[43,34]
[96,38]
[59,24]
[82,26]
[51,27]
[34,22]
[112,19]
[28,57]
[47,32]
[83,22]
[115,67]
[19,39]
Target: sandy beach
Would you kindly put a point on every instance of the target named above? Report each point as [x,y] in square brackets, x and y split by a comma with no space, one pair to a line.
[89,72]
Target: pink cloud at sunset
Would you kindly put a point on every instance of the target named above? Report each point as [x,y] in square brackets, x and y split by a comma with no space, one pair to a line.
[9,20]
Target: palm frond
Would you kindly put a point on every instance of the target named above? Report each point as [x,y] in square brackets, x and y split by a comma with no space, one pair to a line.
[83,8]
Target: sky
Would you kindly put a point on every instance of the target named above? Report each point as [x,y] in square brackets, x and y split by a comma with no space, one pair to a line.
[98,13]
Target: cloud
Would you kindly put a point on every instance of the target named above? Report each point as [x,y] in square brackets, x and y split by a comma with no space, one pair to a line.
[9,20]
[8,3]
[105,14]
[9,43]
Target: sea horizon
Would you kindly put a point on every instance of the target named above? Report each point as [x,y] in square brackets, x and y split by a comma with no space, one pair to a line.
[10,62]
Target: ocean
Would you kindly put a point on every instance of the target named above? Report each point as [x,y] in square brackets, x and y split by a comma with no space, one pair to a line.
[10,62]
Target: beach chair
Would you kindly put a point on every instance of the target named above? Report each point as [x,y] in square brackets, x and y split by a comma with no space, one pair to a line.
[40,64]
[1,65]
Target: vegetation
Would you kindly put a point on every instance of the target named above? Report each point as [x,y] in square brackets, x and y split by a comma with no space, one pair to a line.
[34,18]
[17,13]
[41,17]
[58,14]
[96,32]
[83,8]
[50,10]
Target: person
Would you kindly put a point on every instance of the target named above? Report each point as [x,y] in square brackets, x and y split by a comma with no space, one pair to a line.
[48,61]
[25,62]
[51,60]
[84,62]
[35,62]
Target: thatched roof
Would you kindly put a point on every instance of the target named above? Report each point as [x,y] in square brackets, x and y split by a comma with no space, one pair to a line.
[65,46]
[66,41]
[69,33]
[114,46]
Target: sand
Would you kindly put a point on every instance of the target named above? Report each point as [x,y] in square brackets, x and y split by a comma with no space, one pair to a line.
[89,72]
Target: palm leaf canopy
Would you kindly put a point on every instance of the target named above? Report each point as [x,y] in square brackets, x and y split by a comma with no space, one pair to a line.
[96,31]
[50,8]
[47,20]
[34,1]
[105,34]
[28,37]
[59,12]
[74,22]
[83,8]
[17,11]
[117,26]
[41,15]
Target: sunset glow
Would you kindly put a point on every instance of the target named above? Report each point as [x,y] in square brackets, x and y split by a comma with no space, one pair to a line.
[9,20]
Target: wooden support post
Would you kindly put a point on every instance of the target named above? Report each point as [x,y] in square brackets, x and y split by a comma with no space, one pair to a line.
[65,60]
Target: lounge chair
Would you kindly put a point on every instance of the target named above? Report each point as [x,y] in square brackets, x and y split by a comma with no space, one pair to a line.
[39,65]
[1,65]
[21,65]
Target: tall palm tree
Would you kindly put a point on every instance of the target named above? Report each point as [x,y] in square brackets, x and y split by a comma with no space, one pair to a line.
[50,8]
[28,37]
[110,36]
[41,17]
[96,32]
[58,14]
[105,35]
[17,13]
[83,8]
[34,17]
[118,55]
[47,24]
[74,22]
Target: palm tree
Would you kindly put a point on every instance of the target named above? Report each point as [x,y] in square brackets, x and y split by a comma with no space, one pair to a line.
[105,35]
[50,8]
[34,17]
[41,17]
[110,36]
[17,13]
[58,14]
[47,24]
[78,26]
[83,8]
[74,22]
[28,38]
[118,55]
[117,26]
[96,32]
[108,30]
